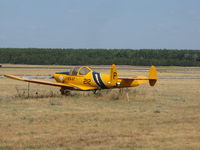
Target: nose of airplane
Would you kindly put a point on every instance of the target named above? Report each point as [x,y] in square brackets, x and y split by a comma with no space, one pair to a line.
[54,76]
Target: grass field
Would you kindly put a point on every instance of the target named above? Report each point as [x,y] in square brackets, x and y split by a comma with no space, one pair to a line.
[164,117]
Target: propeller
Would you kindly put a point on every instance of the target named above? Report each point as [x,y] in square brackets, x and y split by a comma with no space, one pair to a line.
[51,77]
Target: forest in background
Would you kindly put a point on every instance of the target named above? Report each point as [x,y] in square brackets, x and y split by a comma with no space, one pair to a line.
[141,57]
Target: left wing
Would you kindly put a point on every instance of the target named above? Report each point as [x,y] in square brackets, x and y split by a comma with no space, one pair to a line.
[69,86]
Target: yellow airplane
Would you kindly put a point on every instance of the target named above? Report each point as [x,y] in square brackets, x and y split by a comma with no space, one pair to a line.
[85,79]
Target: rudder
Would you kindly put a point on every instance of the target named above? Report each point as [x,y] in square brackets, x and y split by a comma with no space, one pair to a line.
[152,76]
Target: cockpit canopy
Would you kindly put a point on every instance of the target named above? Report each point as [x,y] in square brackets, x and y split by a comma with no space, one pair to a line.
[80,71]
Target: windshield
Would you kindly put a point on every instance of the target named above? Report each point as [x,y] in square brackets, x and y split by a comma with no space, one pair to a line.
[74,71]
[84,71]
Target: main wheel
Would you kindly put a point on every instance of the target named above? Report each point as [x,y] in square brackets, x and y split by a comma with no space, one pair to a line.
[64,91]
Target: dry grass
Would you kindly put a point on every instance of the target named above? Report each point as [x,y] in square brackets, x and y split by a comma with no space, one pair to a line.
[165,117]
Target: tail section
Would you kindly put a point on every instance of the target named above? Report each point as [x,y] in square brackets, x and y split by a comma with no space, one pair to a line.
[113,75]
[152,76]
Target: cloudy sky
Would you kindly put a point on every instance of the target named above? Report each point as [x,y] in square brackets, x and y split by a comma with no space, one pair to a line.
[136,24]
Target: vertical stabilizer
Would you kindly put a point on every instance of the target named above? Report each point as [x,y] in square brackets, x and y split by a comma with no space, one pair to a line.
[113,75]
[152,76]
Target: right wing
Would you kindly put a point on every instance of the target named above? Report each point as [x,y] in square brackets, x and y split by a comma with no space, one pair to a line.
[69,86]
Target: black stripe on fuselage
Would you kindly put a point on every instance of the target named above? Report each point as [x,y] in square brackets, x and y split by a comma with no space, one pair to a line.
[97,79]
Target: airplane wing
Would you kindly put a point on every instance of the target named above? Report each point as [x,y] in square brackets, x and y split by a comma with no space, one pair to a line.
[83,87]
[70,86]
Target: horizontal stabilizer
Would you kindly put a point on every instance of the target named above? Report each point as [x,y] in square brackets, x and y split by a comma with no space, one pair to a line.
[142,79]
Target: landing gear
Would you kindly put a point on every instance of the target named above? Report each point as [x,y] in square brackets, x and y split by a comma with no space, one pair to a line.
[64,91]
[95,91]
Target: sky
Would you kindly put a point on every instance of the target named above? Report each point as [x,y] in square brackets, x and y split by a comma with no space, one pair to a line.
[133,24]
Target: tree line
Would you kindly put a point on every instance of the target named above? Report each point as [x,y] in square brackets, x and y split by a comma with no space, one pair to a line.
[141,57]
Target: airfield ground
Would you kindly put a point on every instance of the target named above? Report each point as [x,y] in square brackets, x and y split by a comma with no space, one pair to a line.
[164,117]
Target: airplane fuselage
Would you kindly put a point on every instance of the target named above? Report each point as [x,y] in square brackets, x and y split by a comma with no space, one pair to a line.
[94,79]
